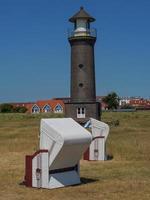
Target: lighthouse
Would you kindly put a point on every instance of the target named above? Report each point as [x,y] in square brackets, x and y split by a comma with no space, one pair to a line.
[82,38]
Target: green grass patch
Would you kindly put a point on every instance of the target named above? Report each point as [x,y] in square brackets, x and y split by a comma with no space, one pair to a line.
[125,177]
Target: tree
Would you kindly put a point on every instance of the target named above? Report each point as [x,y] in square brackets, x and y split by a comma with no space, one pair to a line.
[6,108]
[112,100]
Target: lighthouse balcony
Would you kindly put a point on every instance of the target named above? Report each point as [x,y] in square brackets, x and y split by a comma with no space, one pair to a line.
[82,33]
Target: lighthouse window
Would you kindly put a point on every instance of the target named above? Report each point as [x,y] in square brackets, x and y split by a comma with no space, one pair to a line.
[78,110]
[81,112]
[80,84]
[81,66]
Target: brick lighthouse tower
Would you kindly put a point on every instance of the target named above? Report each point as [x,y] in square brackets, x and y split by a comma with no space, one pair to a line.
[82,103]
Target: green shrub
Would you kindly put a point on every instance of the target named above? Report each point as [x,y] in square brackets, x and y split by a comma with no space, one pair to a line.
[20,109]
[9,108]
[6,108]
[126,106]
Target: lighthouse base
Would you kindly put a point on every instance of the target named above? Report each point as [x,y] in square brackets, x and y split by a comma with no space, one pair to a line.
[82,112]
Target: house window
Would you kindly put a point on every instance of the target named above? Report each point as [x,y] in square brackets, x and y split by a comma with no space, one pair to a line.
[47,108]
[81,112]
[35,109]
[58,109]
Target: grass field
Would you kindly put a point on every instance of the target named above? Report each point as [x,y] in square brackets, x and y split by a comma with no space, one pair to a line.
[125,177]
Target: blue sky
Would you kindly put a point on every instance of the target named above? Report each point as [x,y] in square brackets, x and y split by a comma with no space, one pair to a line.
[35,53]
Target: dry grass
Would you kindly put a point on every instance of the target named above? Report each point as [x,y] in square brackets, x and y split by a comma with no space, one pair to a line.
[125,177]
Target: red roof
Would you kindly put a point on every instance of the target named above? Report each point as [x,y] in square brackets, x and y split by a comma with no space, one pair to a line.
[41,103]
[51,103]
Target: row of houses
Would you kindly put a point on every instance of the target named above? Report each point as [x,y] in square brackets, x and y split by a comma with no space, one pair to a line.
[43,106]
[137,102]
[56,105]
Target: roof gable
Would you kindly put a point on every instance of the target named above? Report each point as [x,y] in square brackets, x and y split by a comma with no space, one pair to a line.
[81,14]
[51,103]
